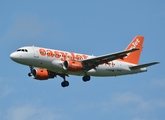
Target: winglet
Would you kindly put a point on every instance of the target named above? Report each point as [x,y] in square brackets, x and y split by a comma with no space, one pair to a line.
[134,57]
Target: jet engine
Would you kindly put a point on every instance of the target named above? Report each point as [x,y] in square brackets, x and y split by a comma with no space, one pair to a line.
[42,74]
[72,65]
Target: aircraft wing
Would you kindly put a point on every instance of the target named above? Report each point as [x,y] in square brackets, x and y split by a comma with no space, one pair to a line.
[94,62]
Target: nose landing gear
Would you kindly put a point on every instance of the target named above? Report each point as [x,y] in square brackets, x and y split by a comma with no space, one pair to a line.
[31,69]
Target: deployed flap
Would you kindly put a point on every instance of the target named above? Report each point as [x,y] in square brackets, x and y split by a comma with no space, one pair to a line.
[143,65]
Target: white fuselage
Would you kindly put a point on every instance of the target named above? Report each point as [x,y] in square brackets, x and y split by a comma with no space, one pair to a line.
[53,60]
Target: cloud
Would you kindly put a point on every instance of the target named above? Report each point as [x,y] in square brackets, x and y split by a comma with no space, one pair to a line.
[11,111]
[5,90]
[31,30]
[1,79]
[132,104]
[138,118]
[24,26]
[158,83]
[125,98]
[23,111]
[32,112]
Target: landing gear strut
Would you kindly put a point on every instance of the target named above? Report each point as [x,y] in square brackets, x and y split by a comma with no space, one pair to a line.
[31,69]
[86,77]
[65,83]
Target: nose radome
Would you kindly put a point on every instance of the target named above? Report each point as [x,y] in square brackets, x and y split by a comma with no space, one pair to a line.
[13,56]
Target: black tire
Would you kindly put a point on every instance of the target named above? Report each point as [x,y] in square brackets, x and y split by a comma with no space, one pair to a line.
[86,78]
[65,84]
[29,74]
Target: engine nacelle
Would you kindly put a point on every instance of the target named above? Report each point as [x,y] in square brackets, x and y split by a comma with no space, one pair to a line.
[42,74]
[72,65]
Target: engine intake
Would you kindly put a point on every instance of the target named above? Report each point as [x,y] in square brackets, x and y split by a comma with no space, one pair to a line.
[72,65]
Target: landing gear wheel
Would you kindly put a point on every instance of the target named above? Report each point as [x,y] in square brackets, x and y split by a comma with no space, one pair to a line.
[65,84]
[31,71]
[86,78]
[29,74]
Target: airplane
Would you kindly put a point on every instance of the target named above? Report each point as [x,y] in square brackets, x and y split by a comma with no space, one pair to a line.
[47,63]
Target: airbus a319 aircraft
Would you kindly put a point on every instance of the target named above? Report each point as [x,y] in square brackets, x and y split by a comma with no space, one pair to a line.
[48,63]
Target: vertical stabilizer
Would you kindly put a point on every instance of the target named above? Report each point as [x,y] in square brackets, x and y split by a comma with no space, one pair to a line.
[133,57]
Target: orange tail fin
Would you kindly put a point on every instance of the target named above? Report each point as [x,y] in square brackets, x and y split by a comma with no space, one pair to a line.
[133,57]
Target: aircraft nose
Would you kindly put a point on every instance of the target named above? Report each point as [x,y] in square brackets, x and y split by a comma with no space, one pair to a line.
[13,56]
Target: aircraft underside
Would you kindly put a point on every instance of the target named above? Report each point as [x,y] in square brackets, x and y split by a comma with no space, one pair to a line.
[86,75]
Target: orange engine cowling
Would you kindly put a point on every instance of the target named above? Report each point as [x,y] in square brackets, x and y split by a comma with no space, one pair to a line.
[72,65]
[42,74]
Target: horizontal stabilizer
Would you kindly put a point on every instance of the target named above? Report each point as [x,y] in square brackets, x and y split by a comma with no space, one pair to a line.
[143,65]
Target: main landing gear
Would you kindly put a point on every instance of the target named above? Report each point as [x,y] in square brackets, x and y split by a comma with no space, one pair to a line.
[65,83]
[86,78]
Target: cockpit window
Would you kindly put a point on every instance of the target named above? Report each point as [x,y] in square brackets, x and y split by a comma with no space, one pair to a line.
[23,50]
